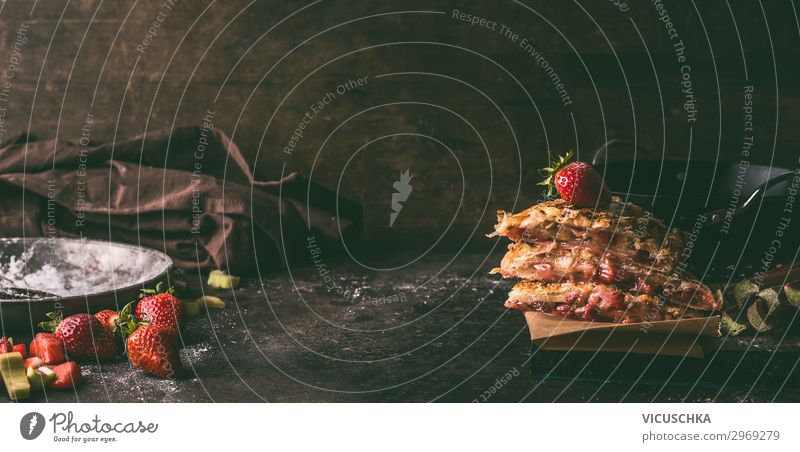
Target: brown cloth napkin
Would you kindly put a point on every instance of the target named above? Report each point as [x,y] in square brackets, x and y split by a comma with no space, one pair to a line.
[186,191]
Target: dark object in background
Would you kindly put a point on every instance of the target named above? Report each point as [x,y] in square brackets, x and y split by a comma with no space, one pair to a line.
[70,276]
[185,191]
[697,195]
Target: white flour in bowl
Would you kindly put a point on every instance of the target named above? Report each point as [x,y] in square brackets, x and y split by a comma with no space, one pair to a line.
[72,268]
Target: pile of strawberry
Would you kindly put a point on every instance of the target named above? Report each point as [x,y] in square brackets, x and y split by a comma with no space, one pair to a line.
[148,334]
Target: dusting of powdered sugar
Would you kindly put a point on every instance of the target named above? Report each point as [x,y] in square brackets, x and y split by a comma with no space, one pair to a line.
[73,267]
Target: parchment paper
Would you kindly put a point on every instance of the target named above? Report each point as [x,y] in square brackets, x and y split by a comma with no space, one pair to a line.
[665,337]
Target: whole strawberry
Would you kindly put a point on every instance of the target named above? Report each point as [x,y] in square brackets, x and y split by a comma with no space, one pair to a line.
[577,182]
[108,319]
[154,349]
[160,307]
[82,335]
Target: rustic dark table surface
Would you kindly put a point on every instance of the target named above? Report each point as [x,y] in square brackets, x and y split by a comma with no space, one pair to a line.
[433,331]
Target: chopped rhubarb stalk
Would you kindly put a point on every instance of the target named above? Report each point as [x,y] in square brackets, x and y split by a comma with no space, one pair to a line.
[606,271]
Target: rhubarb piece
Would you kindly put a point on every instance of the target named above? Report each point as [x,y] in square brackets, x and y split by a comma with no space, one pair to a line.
[68,376]
[760,316]
[13,371]
[771,300]
[34,361]
[219,279]
[21,349]
[40,377]
[731,327]
[742,292]
[192,308]
[792,295]
[210,302]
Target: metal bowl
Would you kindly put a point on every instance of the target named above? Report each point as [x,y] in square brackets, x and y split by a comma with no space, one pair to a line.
[40,275]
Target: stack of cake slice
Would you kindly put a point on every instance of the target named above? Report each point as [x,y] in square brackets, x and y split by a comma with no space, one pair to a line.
[615,264]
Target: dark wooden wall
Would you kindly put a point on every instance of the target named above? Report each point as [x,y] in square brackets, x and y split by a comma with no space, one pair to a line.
[463,107]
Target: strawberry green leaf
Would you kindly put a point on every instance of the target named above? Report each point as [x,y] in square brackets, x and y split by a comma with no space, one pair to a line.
[551,170]
[51,324]
[127,322]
